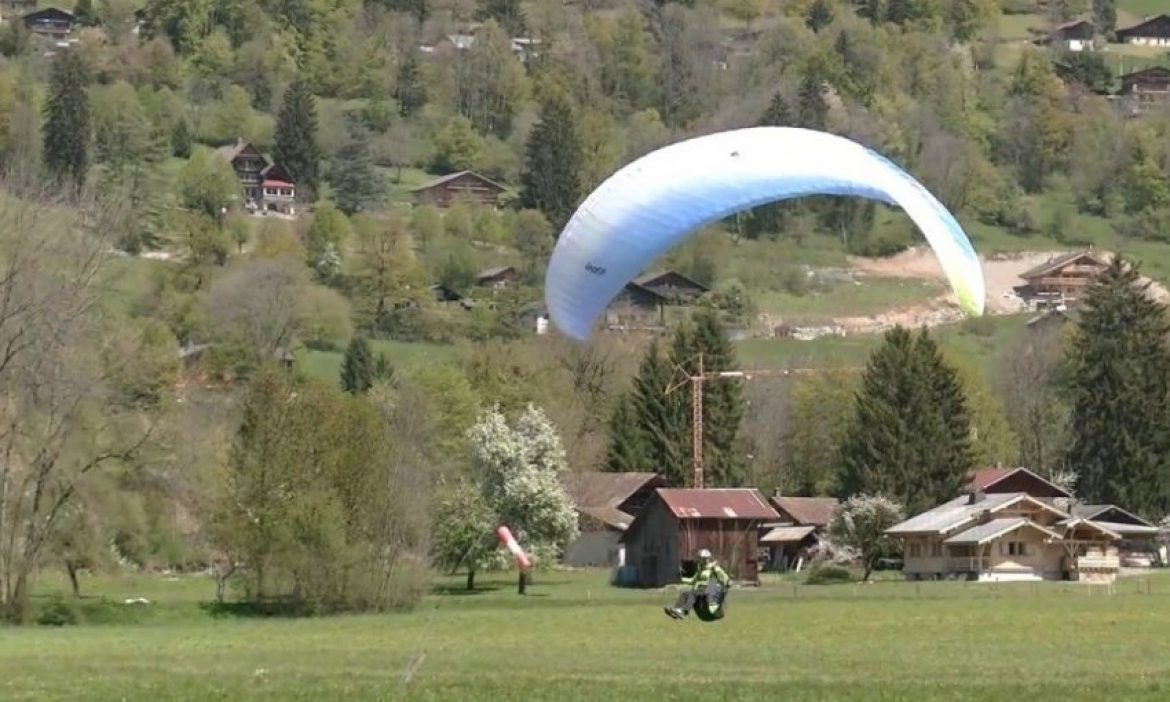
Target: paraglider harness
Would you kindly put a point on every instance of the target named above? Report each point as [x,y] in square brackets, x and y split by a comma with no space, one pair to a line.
[709,607]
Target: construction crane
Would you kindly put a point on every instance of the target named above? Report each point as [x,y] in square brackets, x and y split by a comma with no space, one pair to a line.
[700,377]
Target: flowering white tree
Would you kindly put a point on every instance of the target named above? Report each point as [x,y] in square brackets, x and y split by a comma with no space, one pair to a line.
[861,525]
[517,470]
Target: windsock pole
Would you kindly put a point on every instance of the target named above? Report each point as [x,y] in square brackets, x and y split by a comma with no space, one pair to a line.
[506,539]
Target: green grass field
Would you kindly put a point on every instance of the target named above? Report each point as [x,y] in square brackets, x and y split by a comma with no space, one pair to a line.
[574,638]
[867,296]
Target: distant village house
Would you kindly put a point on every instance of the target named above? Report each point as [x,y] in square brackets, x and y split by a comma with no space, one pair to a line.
[265,185]
[497,278]
[1060,282]
[641,304]
[50,22]
[466,185]
[1152,31]
[1072,36]
[1144,90]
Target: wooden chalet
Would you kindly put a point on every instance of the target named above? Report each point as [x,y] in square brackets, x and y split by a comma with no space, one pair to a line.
[677,522]
[1009,525]
[1144,90]
[796,537]
[1152,31]
[643,301]
[497,278]
[606,504]
[1078,35]
[265,185]
[1060,282]
[443,192]
[50,22]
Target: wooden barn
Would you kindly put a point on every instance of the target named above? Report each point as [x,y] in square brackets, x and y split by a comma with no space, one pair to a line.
[803,520]
[677,522]
[443,192]
[1060,281]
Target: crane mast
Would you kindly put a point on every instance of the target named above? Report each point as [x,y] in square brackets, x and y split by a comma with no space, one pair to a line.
[697,381]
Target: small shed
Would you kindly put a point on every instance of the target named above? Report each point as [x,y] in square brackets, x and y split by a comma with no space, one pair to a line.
[444,191]
[796,537]
[677,522]
[50,22]
[606,504]
[498,277]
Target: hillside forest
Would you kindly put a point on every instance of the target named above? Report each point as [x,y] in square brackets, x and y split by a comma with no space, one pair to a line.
[188,385]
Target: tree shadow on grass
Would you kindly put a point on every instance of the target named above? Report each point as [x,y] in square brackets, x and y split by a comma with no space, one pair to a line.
[461,590]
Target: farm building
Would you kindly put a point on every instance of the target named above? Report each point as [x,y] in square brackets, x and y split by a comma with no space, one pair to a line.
[443,192]
[796,537]
[1060,281]
[606,504]
[1012,524]
[50,22]
[498,277]
[677,522]
[1152,31]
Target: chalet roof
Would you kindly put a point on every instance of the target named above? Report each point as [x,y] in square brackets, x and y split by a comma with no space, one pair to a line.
[1094,511]
[50,13]
[452,176]
[1129,529]
[610,516]
[717,503]
[648,279]
[1160,71]
[493,272]
[815,511]
[996,528]
[963,510]
[982,480]
[786,535]
[1058,262]
[1074,522]
[231,151]
[591,489]
[1149,23]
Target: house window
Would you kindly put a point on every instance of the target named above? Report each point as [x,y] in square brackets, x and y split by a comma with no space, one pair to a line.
[915,550]
[1017,548]
[935,550]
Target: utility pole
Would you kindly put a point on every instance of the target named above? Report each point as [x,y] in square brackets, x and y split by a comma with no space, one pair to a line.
[699,378]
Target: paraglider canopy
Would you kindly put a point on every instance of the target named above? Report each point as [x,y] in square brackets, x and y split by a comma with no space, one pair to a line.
[654,203]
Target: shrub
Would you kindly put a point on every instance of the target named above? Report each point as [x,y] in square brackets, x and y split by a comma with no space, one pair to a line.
[58,612]
[828,575]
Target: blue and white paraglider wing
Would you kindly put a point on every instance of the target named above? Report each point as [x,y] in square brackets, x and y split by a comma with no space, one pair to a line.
[652,204]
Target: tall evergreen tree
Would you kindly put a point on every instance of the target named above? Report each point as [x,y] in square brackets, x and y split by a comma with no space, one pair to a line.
[627,449]
[296,146]
[910,435]
[68,132]
[1105,16]
[357,368]
[551,182]
[509,14]
[410,90]
[357,184]
[812,111]
[820,15]
[1119,376]
[723,463]
[664,424]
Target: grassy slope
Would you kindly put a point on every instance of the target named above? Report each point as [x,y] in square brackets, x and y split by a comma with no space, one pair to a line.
[574,638]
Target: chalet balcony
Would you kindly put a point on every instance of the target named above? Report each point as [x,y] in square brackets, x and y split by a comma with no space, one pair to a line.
[1098,562]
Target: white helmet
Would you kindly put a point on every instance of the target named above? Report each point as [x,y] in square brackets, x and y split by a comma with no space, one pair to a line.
[704,553]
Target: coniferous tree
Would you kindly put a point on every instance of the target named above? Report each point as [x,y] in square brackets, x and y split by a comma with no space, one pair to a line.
[1105,16]
[181,138]
[84,12]
[664,424]
[357,184]
[812,111]
[357,369]
[769,219]
[68,132]
[508,13]
[723,463]
[410,90]
[627,450]
[296,146]
[820,15]
[910,435]
[551,182]
[1119,376]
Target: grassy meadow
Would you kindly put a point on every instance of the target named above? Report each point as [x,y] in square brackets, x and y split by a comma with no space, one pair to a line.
[574,638]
